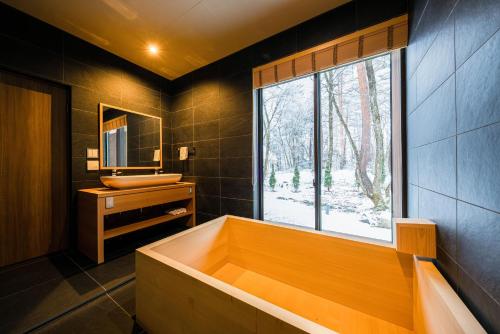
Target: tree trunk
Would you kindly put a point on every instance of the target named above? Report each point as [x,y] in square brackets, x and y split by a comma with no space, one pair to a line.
[365,182]
[365,117]
[329,158]
[342,137]
[311,148]
[267,143]
[378,199]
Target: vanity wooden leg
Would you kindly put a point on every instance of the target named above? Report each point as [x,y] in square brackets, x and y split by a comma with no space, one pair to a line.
[191,207]
[88,226]
[100,230]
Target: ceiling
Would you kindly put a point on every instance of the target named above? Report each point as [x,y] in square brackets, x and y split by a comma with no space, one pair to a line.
[189,33]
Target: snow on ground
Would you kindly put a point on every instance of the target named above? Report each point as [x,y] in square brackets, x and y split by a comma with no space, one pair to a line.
[344,209]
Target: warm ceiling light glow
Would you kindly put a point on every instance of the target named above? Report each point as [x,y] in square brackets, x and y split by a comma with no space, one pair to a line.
[153,49]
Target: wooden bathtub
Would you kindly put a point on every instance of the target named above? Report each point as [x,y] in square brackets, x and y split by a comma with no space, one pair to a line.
[237,275]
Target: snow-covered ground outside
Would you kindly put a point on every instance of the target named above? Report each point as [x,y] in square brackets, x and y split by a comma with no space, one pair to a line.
[344,209]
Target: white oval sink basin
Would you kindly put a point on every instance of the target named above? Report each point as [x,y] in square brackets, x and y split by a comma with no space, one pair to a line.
[137,181]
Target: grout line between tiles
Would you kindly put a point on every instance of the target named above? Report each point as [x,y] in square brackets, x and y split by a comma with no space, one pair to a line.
[434,39]
[475,282]
[118,304]
[69,310]
[85,272]
[31,287]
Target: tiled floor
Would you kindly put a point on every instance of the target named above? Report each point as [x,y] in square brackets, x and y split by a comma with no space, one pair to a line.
[111,313]
[66,292]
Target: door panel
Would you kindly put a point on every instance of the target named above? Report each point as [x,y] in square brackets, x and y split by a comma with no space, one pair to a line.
[33,171]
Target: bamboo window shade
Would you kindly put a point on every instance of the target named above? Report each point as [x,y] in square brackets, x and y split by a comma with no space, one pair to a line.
[382,37]
[115,123]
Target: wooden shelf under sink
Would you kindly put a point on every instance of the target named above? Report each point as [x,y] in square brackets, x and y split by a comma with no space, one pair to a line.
[97,205]
[114,232]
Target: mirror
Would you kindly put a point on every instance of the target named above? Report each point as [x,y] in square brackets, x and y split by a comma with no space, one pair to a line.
[129,139]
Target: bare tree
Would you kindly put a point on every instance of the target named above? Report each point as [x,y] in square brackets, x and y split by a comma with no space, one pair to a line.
[370,117]
[366,127]
[378,131]
[274,104]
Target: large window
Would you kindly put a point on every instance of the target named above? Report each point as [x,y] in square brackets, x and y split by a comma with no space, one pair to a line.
[288,152]
[326,150]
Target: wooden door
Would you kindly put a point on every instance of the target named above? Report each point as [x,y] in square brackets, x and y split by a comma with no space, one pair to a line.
[33,168]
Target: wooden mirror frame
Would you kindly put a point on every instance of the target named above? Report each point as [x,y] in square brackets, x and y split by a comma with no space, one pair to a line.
[101,152]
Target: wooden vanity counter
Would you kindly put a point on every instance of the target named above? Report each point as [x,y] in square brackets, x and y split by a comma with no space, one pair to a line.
[96,203]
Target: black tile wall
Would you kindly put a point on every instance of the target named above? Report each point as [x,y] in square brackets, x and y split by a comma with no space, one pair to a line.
[212,108]
[93,75]
[453,115]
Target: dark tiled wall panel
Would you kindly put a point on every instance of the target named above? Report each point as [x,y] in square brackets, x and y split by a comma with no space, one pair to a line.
[212,108]
[453,136]
[93,75]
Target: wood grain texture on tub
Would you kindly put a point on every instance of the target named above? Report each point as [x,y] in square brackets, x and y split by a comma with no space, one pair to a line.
[438,309]
[187,305]
[373,279]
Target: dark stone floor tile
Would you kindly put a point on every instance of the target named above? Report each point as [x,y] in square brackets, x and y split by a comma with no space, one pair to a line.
[99,316]
[125,296]
[79,259]
[115,271]
[32,307]
[32,273]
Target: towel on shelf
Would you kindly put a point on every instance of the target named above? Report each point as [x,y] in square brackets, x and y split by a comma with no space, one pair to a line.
[178,211]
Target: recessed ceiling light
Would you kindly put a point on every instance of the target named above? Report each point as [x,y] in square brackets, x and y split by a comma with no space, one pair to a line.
[153,49]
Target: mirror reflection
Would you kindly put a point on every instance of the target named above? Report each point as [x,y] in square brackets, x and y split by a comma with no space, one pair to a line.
[129,139]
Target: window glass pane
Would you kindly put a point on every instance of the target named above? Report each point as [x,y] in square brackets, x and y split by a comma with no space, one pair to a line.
[356,149]
[288,152]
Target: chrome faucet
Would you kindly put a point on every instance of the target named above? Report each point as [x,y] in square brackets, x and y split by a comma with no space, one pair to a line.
[158,171]
[115,172]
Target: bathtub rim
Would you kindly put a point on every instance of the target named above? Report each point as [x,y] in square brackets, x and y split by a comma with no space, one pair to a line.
[332,234]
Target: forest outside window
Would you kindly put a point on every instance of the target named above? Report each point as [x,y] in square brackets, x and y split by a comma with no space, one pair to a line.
[326,149]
